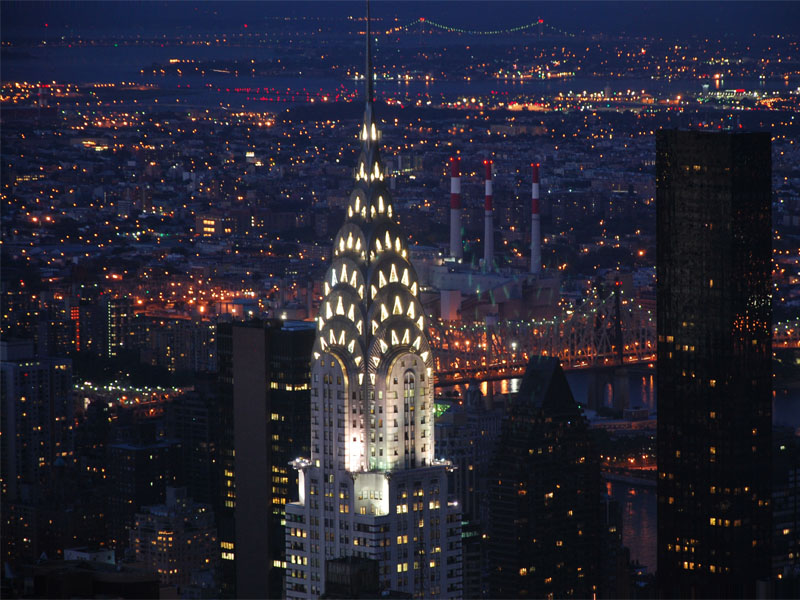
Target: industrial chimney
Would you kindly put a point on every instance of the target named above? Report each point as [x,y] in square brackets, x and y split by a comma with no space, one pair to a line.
[456,247]
[488,232]
[536,229]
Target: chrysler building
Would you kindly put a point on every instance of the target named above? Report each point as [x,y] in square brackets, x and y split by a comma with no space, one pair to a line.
[371,487]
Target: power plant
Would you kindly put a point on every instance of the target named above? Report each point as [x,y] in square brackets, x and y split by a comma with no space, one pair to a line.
[472,292]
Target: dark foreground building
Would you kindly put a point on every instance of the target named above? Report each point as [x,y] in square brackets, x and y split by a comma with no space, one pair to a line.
[714,362]
[271,415]
[85,579]
[545,520]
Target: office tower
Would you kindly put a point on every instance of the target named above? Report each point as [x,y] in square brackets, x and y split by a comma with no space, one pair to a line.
[192,419]
[545,520]
[225,505]
[55,332]
[116,323]
[175,539]
[786,513]
[20,311]
[179,344]
[714,362]
[36,416]
[467,434]
[456,244]
[61,511]
[226,462]
[536,224]
[271,398]
[371,487]
[139,472]
[488,225]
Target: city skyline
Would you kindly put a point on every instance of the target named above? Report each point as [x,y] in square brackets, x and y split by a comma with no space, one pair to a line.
[354,306]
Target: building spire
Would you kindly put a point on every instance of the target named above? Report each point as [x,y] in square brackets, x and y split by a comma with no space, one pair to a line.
[369,76]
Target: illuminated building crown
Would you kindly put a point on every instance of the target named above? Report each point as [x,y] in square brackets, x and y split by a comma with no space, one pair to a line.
[371,319]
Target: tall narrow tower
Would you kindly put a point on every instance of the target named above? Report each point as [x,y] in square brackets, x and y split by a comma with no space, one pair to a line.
[536,226]
[371,487]
[488,232]
[456,247]
[714,261]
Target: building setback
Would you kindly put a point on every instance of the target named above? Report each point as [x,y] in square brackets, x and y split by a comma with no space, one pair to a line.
[714,362]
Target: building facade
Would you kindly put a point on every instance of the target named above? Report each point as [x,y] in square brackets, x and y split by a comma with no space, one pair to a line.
[546,530]
[117,325]
[176,539]
[226,461]
[36,414]
[371,487]
[271,380]
[714,362]
[786,513]
[139,473]
[467,435]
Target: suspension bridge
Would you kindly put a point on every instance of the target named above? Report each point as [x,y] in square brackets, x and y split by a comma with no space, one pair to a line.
[606,332]
[538,25]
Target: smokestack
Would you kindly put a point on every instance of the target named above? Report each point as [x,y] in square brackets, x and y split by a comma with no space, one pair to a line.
[488,226]
[456,248]
[536,230]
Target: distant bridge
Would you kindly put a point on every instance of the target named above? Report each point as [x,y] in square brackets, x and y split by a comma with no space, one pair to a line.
[604,332]
[537,25]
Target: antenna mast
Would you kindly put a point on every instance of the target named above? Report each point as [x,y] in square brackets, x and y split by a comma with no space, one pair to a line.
[369,75]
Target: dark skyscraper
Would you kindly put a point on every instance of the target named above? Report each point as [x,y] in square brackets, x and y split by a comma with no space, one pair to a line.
[545,524]
[271,404]
[36,414]
[139,472]
[467,434]
[714,362]
[226,503]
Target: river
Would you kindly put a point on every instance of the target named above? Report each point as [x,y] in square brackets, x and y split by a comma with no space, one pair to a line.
[639,503]
[133,64]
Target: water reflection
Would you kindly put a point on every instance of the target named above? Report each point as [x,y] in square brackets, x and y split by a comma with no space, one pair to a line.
[505,387]
[642,388]
[639,513]
[647,391]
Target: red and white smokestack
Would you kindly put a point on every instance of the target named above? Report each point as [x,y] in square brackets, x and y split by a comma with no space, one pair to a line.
[456,247]
[488,224]
[536,229]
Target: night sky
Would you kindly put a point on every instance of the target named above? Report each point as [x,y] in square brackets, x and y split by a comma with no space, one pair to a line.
[738,19]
